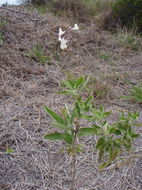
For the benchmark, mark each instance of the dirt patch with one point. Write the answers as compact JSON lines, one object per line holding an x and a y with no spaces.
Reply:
{"x":26,"y":86}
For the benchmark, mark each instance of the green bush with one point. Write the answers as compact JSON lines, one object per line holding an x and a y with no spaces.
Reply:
{"x":128,"y":12}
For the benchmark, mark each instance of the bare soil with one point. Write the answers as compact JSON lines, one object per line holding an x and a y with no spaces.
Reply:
{"x":26,"y":86}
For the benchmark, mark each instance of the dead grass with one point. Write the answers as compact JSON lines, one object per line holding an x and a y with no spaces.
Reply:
{"x":26,"y":86}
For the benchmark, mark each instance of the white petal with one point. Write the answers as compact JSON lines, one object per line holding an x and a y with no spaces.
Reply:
{"x":63,"y":44}
{"x":59,"y":38}
{"x":61,"y":32}
{"x":76,"y":27}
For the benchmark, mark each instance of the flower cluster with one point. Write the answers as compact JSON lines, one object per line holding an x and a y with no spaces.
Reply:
{"x":62,"y":40}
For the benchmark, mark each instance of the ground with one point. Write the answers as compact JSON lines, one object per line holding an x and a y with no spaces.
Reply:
{"x":26,"y":85}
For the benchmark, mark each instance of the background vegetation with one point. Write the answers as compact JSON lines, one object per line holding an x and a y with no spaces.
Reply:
{"x":123,"y":12}
{"x":128,"y":12}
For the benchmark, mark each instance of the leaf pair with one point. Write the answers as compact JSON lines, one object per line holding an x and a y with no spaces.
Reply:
{"x":64,"y":123}
{"x":74,"y":86}
{"x":100,"y":114}
{"x":59,"y":123}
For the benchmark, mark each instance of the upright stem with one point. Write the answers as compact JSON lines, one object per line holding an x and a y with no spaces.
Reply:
{"x":74,"y":161}
{"x":73,"y":172}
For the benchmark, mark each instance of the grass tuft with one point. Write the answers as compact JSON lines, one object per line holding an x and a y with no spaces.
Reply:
{"x":128,"y":39}
{"x":37,"y":54}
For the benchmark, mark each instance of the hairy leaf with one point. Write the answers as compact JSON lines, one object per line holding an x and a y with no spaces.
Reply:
{"x":59,"y":136}
{"x":69,"y":92}
{"x":54,"y":136}
{"x":54,"y":115}
{"x":60,"y":126}
{"x":100,"y":142}
{"x":86,"y":132}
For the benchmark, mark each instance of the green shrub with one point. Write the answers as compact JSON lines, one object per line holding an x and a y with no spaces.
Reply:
{"x":112,"y":138}
{"x":128,"y":12}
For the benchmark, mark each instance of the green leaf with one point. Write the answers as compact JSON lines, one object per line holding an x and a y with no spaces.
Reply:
{"x":86,"y":132}
{"x":106,"y":114}
{"x":113,"y":153}
{"x":117,"y":132}
{"x":120,"y":141}
{"x":72,"y":82}
{"x":68,"y":83}
{"x":60,"y":126}
{"x":115,"y":144}
{"x":67,"y":138}
{"x":54,"y":136}
{"x":87,"y":117}
{"x":79,"y":148}
{"x":69,"y":92}
{"x":89,"y":100}
{"x":66,"y":116}
{"x":100,"y":143}
{"x":98,"y":129}
{"x":104,"y":165}
{"x":84,"y":83}
{"x":9,"y":150}
{"x":101,"y":154}
{"x":79,"y":82}
{"x":96,"y":126}
{"x":78,"y":110}
{"x":55,"y":116}
{"x":135,"y":135}
{"x":59,"y":136}
{"x":86,"y":108}
{"x":73,"y":115}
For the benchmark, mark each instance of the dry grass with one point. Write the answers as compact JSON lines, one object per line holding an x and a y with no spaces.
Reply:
{"x":26,"y":86}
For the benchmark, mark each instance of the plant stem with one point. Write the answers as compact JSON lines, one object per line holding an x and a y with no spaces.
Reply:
{"x":74,"y":160}
{"x":73,"y":172}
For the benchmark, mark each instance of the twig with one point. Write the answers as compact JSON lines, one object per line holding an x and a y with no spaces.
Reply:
{"x":20,"y":12}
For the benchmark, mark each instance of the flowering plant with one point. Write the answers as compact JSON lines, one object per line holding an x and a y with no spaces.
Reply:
{"x":61,"y":38}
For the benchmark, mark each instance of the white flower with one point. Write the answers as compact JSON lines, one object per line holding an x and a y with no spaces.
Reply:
{"x":76,"y":27}
{"x":63,"y":44}
{"x":61,"y":32}
{"x":59,"y":38}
